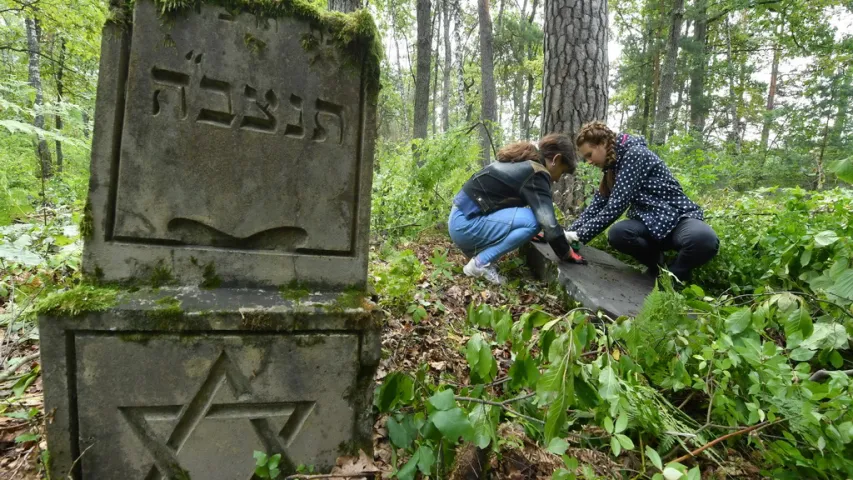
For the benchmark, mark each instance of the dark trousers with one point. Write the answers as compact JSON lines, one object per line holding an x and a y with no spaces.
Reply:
{"x":694,"y":240}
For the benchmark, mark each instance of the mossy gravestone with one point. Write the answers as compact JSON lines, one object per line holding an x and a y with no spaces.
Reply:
{"x":231,"y":169}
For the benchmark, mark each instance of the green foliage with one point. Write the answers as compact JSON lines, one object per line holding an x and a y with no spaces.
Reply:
{"x":77,"y":300}
{"x":266,"y":466}
{"x":396,"y":279}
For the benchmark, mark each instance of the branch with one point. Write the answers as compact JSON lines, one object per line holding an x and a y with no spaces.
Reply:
{"x":9,"y":371}
{"x":822,"y":374}
{"x":710,"y":444}
{"x":504,"y":406}
{"x":726,"y":11}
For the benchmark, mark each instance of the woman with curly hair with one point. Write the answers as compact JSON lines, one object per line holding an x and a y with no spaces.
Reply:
{"x":660,"y":216}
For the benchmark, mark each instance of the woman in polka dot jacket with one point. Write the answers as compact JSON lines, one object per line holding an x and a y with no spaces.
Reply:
{"x":660,"y":217}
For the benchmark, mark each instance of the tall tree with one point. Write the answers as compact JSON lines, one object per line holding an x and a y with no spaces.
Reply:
{"x":699,"y":62}
{"x":575,"y":86}
{"x":662,"y":116}
{"x":531,"y":55}
{"x":448,"y":64}
{"x":488,"y":113}
{"x":60,"y":91}
{"x":771,"y":98}
{"x":423,"y":69}
{"x":345,"y":6}
{"x":34,"y":51}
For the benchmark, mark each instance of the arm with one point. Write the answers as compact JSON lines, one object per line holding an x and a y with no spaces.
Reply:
{"x":639,"y":161}
{"x":536,"y":191}
{"x":598,"y":202}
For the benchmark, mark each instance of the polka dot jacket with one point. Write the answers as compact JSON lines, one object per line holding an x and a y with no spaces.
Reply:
{"x":644,"y":183}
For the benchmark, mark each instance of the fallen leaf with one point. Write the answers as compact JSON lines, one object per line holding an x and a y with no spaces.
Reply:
{"x":438,"y":365}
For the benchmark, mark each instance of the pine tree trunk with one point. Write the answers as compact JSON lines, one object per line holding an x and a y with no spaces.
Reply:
{"x":345,"y":6}
{"x":34,"y":50}
{"x":448,"y":64}
{"x":575,"y":84}
{"x":60,"y":90}
{"x":648,"y":53}
{"x":434,"y":55}
{"x":662,"y":116}
{"x":404,"y":96}
{"x":733,"y":111}
{"x":771,"y":99}
{"x":488,"y":112}
{"x":698,"y":107}
{"x":423,"y":69}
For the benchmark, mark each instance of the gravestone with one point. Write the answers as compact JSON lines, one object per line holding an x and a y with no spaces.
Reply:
{"x":604,"y":283}
{"x":227,"y":224}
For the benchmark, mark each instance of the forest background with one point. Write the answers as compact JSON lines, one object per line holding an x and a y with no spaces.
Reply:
{"x":747,"y":101}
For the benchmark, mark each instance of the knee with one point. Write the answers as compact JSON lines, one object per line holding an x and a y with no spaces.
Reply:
{"x":621,"y":235}
{"x":705,"y":242}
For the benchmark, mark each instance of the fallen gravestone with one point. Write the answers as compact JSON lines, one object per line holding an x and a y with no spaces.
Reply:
{"x":231,"y":168}
{"x":604,"y":283}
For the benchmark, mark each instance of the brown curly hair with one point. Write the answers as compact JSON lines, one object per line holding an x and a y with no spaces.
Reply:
{"x":549,"y":146}
{"x":595,"y":134}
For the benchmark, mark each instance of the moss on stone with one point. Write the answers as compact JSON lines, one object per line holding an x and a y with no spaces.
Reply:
{"x":294,"y":291}
{"x":161,"y":275}
{"x":78,"y":300}
{"x":355,"y":34}
{"x":168,"y":310}
{"x":87,"y":223}
{"x":256,"y":320}
{"x":211,"y":279}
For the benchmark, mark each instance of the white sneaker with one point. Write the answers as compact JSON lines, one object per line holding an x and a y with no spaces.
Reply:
{"x":488,"y":271}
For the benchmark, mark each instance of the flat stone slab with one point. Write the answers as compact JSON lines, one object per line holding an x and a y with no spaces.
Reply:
{"x":188,"y":383}
{"x":234,"y":142}
{"x":604,"y":284}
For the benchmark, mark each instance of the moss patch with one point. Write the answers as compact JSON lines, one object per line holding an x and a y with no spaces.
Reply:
{"x":161,"y":275}
{"x":211,"y":279}
{"x":168,"y":309}
{"x":355,"y":34}
{"x":294,"y":291}
{"x":87,"y":224}
{"x":78,"y":300}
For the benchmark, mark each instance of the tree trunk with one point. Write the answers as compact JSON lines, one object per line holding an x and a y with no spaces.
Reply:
{"x":531,"y":54}
{"x":404,"y":97}
{"x":575,"y":82}
{"x":734,"y":134}
{"x":448,"y":64}
{"x":821,"y":172}
{"x":698,"y":108}
{"x":436,"y":35}
{"x":664,"y":106}
{"x":648,"y":47}
{"x":771,"y":99}
{"x":345,"y":6}
{"x":60,"y":88}
{"x":488,"y":112}
{"x":42,"y":149}
{"x":844,"y":95}
{"x":423,"y":70}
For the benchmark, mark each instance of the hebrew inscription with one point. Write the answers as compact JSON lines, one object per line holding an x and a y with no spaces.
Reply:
{"x":259,"y":115}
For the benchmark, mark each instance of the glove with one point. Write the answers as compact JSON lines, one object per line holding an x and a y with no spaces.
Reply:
{"x":572,"y":237}
{"x":574,"y":257}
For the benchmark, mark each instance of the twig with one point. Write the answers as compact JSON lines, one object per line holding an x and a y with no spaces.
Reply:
{"x":9,"y":371}
{"x":710,"y":444}
{"x":682,"y":404}
{"x":333,"y":475}
{"x":821,"y":374}
{"x":502,"y":405}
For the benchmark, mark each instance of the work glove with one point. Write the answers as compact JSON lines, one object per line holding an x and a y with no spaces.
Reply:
{"x":572,"y":237}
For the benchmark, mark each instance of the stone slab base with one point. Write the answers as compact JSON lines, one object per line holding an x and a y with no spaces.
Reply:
{"x":188,"y":383}
{"x":604,"y":284}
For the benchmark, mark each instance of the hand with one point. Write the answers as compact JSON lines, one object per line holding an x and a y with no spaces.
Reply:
{"x":572,"y":237}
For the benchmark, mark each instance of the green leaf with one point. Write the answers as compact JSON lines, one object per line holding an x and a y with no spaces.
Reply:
{"x":410,"y":468}
{"x":27,"y":437}
{"x":625,"y":441}
{"x":558,"y":446}
{"x":843,"y":169}
{"x":555,"y":419}
{"x":694,"y":474}
{"x":835,"y":359}
{"x":397,"y":387}
{"x":401,"y":437}
{"x":608,"y":385}
{"x":799,"y":321}
{"x":826,"y":335}
{"x":274,"y":461}
{"x":502,"y":328}
{"x":654,"y":457}
{"x":825,"y":238}
{"x":739,"y":321}
{"x":806,"y":258}
{"x":443,"y":400}
{"x":484,"y":424}
{"x":843,"y":286}
{"x":621,"y":423}
{"x":426,"y":459}
{"x":12,"y":254}
{"x":615,"y":446}
{"x":670,"y":473}
{"x":608,"y":425}
{"x":801,"y":354}
{"x":453,"y":424}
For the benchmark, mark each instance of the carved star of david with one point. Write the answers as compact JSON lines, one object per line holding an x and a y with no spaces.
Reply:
{"x":201,"y":407}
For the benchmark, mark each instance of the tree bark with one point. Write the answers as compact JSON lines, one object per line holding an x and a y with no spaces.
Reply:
{"x":33,"y":47}
{"x":734,"y":134}
{"x":448,"y":64}
{"x":436,"y":24}
{"x":488,"y":112}
{"x":648,"y":94}
{"x":698,"y":107}
{"x":575,"y":82}
{"x":662,"y":116}
{"x":843,"y":103}
{"x":423,"y":69}
{"x":771,"y":99}
{"x":60,"y":90}
{"x":345,"y":6}
{"x":404,"y":97}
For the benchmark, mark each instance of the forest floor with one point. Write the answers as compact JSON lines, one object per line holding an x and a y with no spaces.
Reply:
{"x":438,"y":341}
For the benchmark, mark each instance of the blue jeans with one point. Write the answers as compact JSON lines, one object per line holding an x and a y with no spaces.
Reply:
{"x":492,"y":236}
